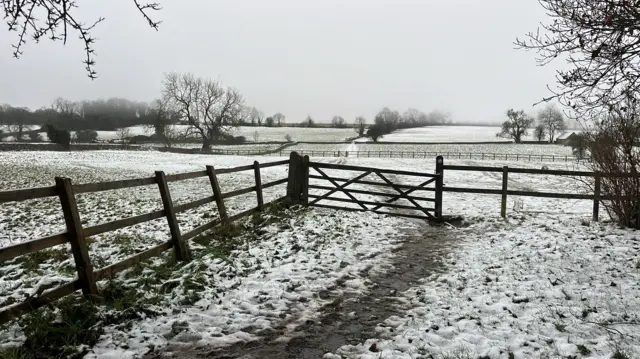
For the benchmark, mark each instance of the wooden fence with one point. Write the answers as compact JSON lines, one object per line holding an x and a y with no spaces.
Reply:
{"x":596,"y":196}
{"x":447,"y":155}
{"x":76,"y":235}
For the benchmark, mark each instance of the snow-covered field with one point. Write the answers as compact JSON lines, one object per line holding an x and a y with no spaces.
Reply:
{"x":543,"y":284}
{"x":382,"y":150}
{"x":449,"y":134}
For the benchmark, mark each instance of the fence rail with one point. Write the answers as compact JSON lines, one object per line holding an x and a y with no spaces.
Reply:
{"x":76,"y":235}
{"x":480,"y":156}
{"x":596,"y":196}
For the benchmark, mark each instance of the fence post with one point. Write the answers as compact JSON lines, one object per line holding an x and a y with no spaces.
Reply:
{"x":296,"y":178}
{"x":76,"y":237}
{"x":217,"y":194}
{"x":256,"y":172}
{"x":505,"y":181}
{"x":439,"y":185}
{"x":179,"y":246}
{"x":305,"y":182}
{"x":596,"y":196}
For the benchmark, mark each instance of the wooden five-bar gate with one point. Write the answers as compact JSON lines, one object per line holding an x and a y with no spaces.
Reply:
{"x":428,"y":207}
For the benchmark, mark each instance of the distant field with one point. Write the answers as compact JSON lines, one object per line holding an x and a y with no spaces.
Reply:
{"x":449,"y":134}
{"x":375,"y":149}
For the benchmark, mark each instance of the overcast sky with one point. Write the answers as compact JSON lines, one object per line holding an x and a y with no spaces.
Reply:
{"x":299,"y":57}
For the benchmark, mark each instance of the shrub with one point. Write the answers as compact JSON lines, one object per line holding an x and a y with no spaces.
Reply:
{"x":86,"y":136}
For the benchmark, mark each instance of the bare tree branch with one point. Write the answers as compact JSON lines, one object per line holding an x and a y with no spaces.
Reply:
{"x":57,"y":21}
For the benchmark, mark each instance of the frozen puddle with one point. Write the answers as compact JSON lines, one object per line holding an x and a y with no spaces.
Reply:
{"x":535,"y":287}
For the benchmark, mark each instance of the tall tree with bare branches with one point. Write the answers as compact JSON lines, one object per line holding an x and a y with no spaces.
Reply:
{"x":210,"y":109}
{"x":599,"y":39}
{"x":553,"y":121}
{"x":56,"y":20}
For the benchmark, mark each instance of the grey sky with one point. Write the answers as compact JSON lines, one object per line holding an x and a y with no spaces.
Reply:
{"x":299,"y":57}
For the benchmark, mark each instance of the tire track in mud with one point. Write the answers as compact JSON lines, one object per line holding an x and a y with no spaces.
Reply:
{"x":348,"y":317}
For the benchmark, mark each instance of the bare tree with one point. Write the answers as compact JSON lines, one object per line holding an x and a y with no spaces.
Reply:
{"x":612,"y":143}
{"x":279,"y":118}
{"x":256,"y":136}
{"x":360,"y":125}
{"x":256,"y":117}
{"x":540,"y":132}
{"x":516,"y":126}
{"x":338,"y":122}
{"x":210,"y":110}
{"x":599,"y":40}
{"x":553,"y":120}
{"x":123,"y":134}
{"x":56,"y":20}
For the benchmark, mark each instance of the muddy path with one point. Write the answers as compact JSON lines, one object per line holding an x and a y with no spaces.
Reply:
{"x":348,"y":318}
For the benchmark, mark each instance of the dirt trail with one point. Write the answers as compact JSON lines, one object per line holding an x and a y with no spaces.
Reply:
{"x":349,"y":318}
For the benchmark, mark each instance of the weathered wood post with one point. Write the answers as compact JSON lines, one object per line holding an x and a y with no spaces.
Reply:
{"x":305,"y":180}
{"x":217,"y":194}
{"x":295,"y":183}
{"x":596,"y":196}
{"x":180,"y":247}
{"x":76,"y":237}
{"x":439,"y":186}
{"x":258,"y":177}
{"x":505,"y":183}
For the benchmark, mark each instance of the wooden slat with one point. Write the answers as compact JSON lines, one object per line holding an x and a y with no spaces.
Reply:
{"x":276,"y":163}
{"x":372,"y":203}
{"x":109,"y":271}
{"x":340,"y":187}
{"x":108,"y":186}
{"x":549,"y":194}
{"x":185,"y":176}
{"x":27,"y":194}
{"x":122,"y":223}
{"x":195,"y":204}
{"x":520,"y":170}
{"x":238,"y":192}
{"x":233,"y":169}
{"x":275,"y":183}
{"x":19,"y":249}
{"x":373,"y":183}
{"x":471,"y":190}
{"x":518,"y":193}
{"x":180,"y":247}
{"x":201,"y":229}
{"x":407,"y":192}
{"x":377,"y":212}
{"x":371,"y":193}
{"x":403,"y":194}
{"x":258,"y":180}
{"x":76,"y":237}
{"x":47,"y":297}
{"x":217,"y":193}
{"x":243,"y":214}
{"x":372,"y":169}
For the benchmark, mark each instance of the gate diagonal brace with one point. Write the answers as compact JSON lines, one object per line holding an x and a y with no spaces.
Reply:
{"x":340,"y":188}
{"x":405,"y":196}
{"x":393,"y":199}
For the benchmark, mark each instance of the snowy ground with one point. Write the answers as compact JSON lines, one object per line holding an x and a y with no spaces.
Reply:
{"x":531,"y":287}
{"x":543,"y":284}
{"x":449,"y":134}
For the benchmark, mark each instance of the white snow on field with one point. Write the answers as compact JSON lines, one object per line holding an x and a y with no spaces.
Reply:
{"x":531,"y":287}
{"x":542,"y":284}
{"x":278,"y":279}
{"x":449,"y":134}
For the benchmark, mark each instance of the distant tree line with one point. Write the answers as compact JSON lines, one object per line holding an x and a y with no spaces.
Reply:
{"x":387,"y":121}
